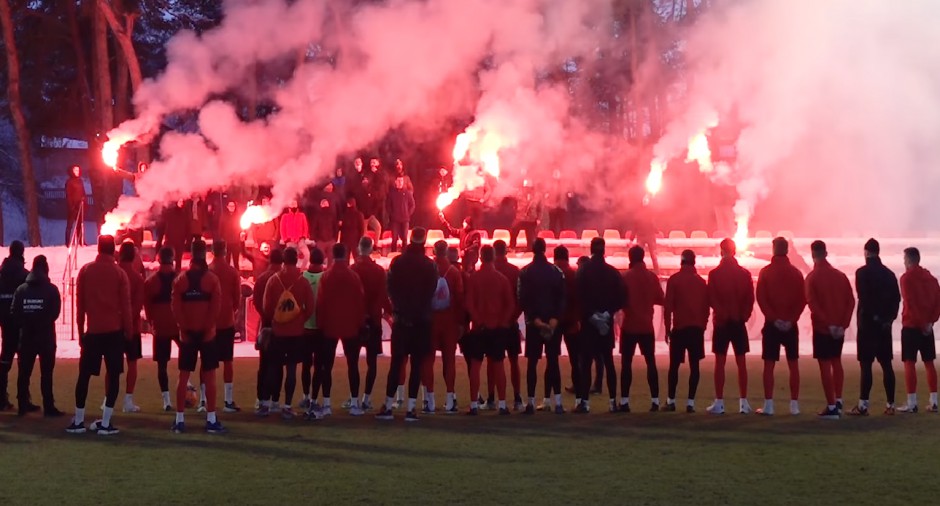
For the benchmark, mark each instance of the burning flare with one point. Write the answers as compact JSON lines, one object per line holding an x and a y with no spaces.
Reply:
{"x":700,"y":152}
{"x":447,"y":198}
{"x":114,"y":222}
{"x":112,"y":148}
{"x":742,"y":214}
{"x":654,"y":181}
{"x":255,"y":215}
{"x":481,"y":150}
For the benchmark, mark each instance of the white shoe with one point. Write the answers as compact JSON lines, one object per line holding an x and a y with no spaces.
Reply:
{"x":325,"y":411}
{"x":715,"y":409}
{"x":745,"y":407}
{"x":131,"y":408}
{"x":201,"y":408}
{"x":767,"y":410}
{"x":275,"y":406}
{"x":348,"y":404}
{"x":794,"y":408}
{"x":356,"y":411}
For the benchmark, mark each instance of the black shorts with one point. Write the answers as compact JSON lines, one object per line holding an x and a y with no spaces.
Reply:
{"x":914,"y":341}
{"x":370,"y":337}
{"x":9,"y":344}
{"x":473,"y":345}
{"x":225,"y":342}
{"x":97,"y":347}
{"x":513,"y":340}
{"x":411,"y":339}
{"x":594,"y":343}
{"x":774,"y":338}
{"x":875,"y":342}
{"x":287,"y":350}
{"x":825,"y":347}
{"x":733,"y":334}
{"x":195,"y":348}
{"x":630,"y":342}
{"x":536,"y":345}
{"x":133,"y":349}
{"x":687,"y":340}
{"x":163,"y":347}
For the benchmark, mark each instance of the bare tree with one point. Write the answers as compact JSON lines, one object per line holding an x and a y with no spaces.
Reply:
{"x":19,"y":122}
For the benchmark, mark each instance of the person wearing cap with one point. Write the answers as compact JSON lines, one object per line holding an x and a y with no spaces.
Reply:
{"x":105,"y":323}
{"x":781,"y":297}
{"x":230,"y":284}
{"x":513,"y":335}
{"x":731,"y":296}
{"x":542,"y":300}
{"x":685,"y":315}
{"x":158,"y":290}
{"x":412,"y":282}
{"x":489,"y":303}
{"x":197,"y":302}
{"x":341,"y":312}
{"x":644,"y":293}
{"x":13,"y":274}
{"x":879,"y":300}
{"x":445,"y":332}
{"x":36,"y":306}
{"x":602,"y":294}
{"x":921,"y":295}
{"x":375,"y":284}
{"x":831,"y":303}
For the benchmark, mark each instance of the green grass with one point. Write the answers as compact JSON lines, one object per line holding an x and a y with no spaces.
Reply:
{"x":640,"y":458}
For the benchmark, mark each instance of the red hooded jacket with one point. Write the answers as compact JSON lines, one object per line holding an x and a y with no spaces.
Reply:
{"x":230,"y":283}
{"x":341,"y":302}
{"x":292,"y":279}
{"x":489,"y":298}
{"x":454,"y":314}
{"x":157,"y":302}
{"x":103,"y":298}
{"x":830,"y":298}
{"x":512,"y":275}
{"x":136,"y":285}
{"x":375,"y":284}
{"x":781,"y":294}
{"x":730,"y":292}
{"x":686,"y":300}
{"x":921,"y":295}
{"x":643,"y":292}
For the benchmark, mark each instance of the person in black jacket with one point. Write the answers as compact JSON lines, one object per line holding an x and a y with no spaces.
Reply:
{"x":12,"y":274}
{"x":36,"y":306}
{"x":401,"y":207}
{"x":176,"y":230}
{"x":412,"y":282}
{"x":602,"y":294}
{"x":879,"y":299}
{"x":75,"y":206}
{"x":542,"y":299}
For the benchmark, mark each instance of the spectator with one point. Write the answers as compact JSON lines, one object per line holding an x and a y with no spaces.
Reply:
{"x":351,"y":225}
{"x":324,"y":230}
{"x":294,"y":228}
{"x":401,"y":206}
{"x":268,"y":231}
{"x":75,"y":206}
{"x":230,"y":231}
{"x":176,"y":231}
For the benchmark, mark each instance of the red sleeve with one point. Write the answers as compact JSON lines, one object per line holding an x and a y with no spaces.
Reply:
{"x":762,"y":297}
{"x":658,"y":297}
{"x":798,"y":297}
{"x":935,"y":290}
{"x":812,"y":298}
{"x":360,"y":309}
{"x":848,"y":303}
{"x":236,"y":289}
{"x":669,"y":302}
{"x":455,"y":279}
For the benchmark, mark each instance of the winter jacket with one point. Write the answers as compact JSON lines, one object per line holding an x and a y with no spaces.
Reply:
{"x":36,"y":307}
{"x":374,"y":283}
{"x":198,"y":217}
{"x":158,"y":298}
{"x":324,"y":227}
{"x":401,"y":206}
{"x":528,"y":207}
{"x":259,"y":263}
{"x":412,"y":281}
{"x":103,"y":298}
{"x":781,"y":294}
{"x":175,"y":229}
{"x":455,"y":313}
{"x":230,"y":284}
{"x":341,"y":303}
{"x":489,"y":298}
{"x":136,"y":284}
{"x":879,"y":298}
{"x":74,"y":192}
{"x":921,"y":295}
{"x":541,"y":291}
{"x":512,"y":274}
{"x":600,"y":288}
{"x":353,"y":226}
{"x":830,"y":298}
{"x":313,"y":275}
{"x":13,"y":273}
{"x":571,"y":319}
{"x":686,"y":301}
{"x":289,"y":278}
{"x":730,"y":292}
{"x":261,"y":283}
{"x":294,"y":227}
{"x":197,"y":300}
{"x":230,"y":228}
{"x":643,"y":292}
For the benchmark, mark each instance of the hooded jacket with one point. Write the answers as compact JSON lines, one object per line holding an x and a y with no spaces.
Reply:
{"x":292,"y":279}
{"x":197,"y":300}
{"x":136,"y":285}
{"x":103,"y":298}
{"x":158,"y":298}
{"x":921,"y":295}
{"x":36,"y":307}
{"x":645,"y":293}
{"x":600,"y":288}
{"x":374,"y":283}
{"x":879,"y":298}
{"x":324,"y":225}
{"x":512,"y":274}
{"x":341,"y":303}
{"x":294,"y":226}
{"x":730,"y":292}
{"x":687,"y":299}
{"x":74,"y":191}
{"x":830,"y":298}
{"x":353,"y":225}
{"x":230,"y":227}
{"x":230,"y":283}
{"x":541,"y":291}
{"x":401,"y":205}
{"x":489,"y":298}
{"x":176,"y":229}
{"x":13,"y":273}
{"x":412,"y":281}
{"x":781,"y":294}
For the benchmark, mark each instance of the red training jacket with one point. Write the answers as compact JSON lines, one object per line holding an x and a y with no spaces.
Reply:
{"x":830,"y":297}
{"x":686,"y":300}
{"x":512,"y":274}
{"x":341,"y":302}
{"x":643,"y":292}
{"x":103,"y":298}
{"x":730,"y":292}
{"x":921,"y":295}
{"x":490,"y":301}
{"x":230,"y":283}
{"x":160,"y":314}
{"x":375,"y":284}
{"x":781,"y":292}
{"x":136,"y":285}
{"x":289,"y":278}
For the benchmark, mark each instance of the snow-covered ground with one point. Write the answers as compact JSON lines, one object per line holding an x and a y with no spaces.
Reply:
{"x":69,"y":349}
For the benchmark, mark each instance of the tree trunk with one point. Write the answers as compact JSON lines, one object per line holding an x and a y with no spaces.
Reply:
{"x":19,"y":121}
{"x":123,"y":35}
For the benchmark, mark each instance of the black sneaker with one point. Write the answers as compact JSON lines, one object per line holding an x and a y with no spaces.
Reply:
{"x":178,"y":428}
{"x":670,"y":408}
{"x":168,"y":409}
{"x":76,"y":428}
{"x":625,"y":407}
{"x":215,"y":427}
{"x":828,"y":414}
{"x":52,"y":413}
{"x":839,"y":407}
{"x":109,"y":430}
{"x":32,"y":408}
{"x":473,"y":412}
{"x":231,"y":407}
{"x":582,"y":409}
{"x":384,"y":414}
{"x":503,"y":412}
{"x":411,"y":416}
{"x":655,"y":407}
{"x":529,"y":410}
{"x":5,"y":404}
{"x":690,"y":409}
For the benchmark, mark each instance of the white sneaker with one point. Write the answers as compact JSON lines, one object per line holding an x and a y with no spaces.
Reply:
{"x":794,"y":408}
{"x":715,"y":409}
{"x":275,"y":406}
{"x":356,"y":411}
{"x":745,"y":407}
{"x":201,"y":408}
{"x":348,"y":404}
{"x":131,"y":408}
{"x":325,"y":411}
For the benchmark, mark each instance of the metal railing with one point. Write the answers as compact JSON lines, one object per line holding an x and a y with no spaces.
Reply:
{"x":71,"y":267}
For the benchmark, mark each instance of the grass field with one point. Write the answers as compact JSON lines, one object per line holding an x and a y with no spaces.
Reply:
{"x":640,"y":458}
